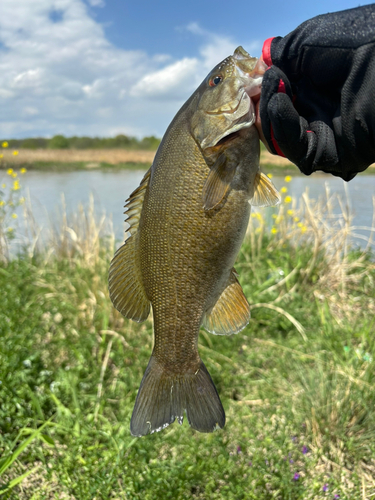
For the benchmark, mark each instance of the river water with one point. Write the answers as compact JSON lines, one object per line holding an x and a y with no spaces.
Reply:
{"x":111,"y":188}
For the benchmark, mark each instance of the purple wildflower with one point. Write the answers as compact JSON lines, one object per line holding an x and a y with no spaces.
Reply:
{"x":294,"y":439}
{"x":291,"y":461}
{"x":239,"y":450}
{"x":325,"y":487}
{"x":305,"y":449}
{"x":296,"y":476}
{"x":250,"y":464}
{"x":337,"y":496}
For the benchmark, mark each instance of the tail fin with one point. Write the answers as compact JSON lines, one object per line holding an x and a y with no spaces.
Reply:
{"x":163,"y":397}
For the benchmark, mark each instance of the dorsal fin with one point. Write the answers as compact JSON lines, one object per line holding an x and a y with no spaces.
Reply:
{"x":218,"y":182}
{"x":264,"y":192}
{"x":125,"y":283}
{"x":231,"y":313}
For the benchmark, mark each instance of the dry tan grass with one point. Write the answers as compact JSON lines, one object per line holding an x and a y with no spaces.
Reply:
{"x":93,"y":157}
{"x":111,"y":156}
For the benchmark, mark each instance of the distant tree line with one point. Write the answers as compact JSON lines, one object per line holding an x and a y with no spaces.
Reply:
{"x":62,"y":142}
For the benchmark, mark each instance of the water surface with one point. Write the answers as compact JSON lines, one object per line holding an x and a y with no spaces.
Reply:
{"x":110,"y":189}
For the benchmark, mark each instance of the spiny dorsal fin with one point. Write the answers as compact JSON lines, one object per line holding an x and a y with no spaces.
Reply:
{"x":125,"y":284}
{"x":265,"y":194}
{"x":218,"y":182}
{"x":231,"y":313}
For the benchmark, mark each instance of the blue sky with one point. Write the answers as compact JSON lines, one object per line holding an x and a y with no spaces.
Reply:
{"x":104,"y":67}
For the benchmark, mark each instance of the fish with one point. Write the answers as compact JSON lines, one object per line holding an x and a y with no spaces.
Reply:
{"x":187,"y":220}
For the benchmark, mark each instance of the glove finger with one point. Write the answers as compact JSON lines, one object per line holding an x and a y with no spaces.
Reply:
{"x":291,"y":133}
{"x":274,"y":82}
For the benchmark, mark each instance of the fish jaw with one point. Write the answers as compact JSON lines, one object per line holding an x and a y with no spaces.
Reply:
{"x":228,"y":107}
{"x":245,"y":120}
{"x":252,"y":68}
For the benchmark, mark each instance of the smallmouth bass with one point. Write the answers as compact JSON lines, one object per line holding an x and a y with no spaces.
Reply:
{"x":187,"y":220}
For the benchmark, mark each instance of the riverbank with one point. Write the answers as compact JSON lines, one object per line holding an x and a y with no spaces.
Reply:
{"x":62,"y":160}
{"x":297,"y":384}
{"x":88,"y":159}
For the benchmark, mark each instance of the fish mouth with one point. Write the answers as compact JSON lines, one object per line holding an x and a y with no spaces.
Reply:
{"x":228,"y":138}
{"x":229,"y":108}
{"x":246,"y":120}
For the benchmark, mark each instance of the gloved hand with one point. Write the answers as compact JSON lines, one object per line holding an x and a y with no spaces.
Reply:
{"x":317,"y":105}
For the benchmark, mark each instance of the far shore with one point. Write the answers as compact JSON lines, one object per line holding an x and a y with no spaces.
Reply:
{"x":87,"y":159}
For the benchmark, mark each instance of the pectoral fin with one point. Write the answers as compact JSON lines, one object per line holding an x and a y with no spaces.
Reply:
{"x":231,"y":313}
{"x":125,"y":284}
{"x":218,"y":182}
{"x":264,"y":192}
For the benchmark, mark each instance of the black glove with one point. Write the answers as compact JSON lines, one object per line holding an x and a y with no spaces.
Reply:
{"x":317,"y":104}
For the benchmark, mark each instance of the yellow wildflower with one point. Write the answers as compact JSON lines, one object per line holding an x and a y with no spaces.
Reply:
{"x":3,"y":186}
{"x":290,"y":212}
{"x":274,"y":230}
{"x":284,"y":189}
{"x":288,"y":178}
{"x":274,"y":216}
{"x":10,"y":171}
{"x":300,"y":224}
{"x":5,"y":144}
{"x":15,"y":153}
{"x":22,"y":200}
{"x":257,"y":215}
{"x":296,"y":219}
{"x":2,"y":203}
{"x":1,"y":155}
{"x":288,"y":199}
{"x":14,"y":216}
{"x":16,"y":185}
{"x":10,"y":229}
{"x":269,"y":176}
{"x":23,"y":170}
{"x":14,"y":175}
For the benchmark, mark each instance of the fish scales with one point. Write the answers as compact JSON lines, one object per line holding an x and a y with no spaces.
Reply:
{"x":184,"y":242}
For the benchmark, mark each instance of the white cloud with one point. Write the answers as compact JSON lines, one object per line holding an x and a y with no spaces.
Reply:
{"x":59,"y":74}
{"x":96,"y":3}
{"x":172,"y":82}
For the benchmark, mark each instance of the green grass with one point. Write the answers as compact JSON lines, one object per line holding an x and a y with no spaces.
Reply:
{"x":297,"y":385}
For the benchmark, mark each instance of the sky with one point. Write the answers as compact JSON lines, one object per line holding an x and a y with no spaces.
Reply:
{"x":108,"y":67}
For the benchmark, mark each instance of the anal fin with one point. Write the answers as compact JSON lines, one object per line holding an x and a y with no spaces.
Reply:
{"x":231,"y":313}
{"x":125,"y":284}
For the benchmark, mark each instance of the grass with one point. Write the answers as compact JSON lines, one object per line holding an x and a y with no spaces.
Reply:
{"x":297,"y":384}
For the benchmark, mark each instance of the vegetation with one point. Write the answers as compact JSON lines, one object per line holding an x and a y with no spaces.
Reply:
{"x":297,"y":384}
{"x":62,"y":142}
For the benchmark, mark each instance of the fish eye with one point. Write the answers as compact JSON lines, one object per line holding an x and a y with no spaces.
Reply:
{"x":215,"y":80}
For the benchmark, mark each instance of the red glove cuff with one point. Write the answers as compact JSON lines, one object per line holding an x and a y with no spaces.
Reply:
{"x":266,"y":51}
